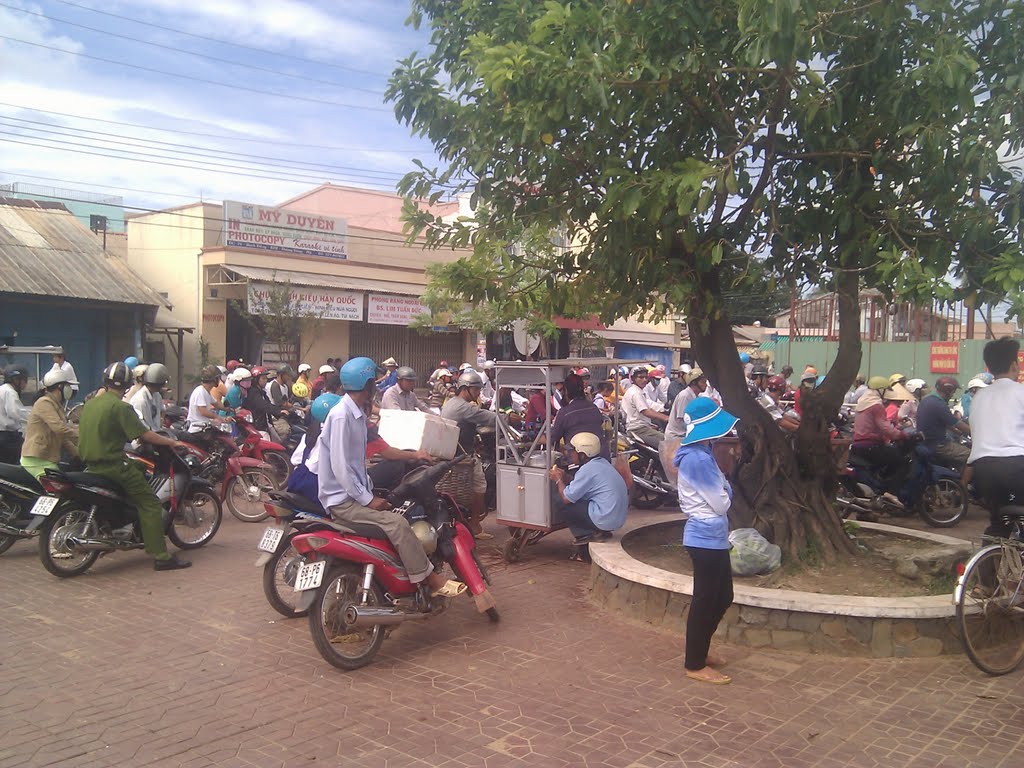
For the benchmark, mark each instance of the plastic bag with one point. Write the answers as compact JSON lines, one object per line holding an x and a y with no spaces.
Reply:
{"x":752,"y":553}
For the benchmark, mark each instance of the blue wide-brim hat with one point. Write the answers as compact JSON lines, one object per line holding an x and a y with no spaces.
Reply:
{"x":706,"y":420}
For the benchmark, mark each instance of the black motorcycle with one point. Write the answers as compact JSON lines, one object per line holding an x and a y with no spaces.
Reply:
{"x":18,"y":494}
{"x":88,"y":515}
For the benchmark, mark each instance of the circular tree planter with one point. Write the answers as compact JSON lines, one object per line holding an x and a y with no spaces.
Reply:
{"x":843,"y":625}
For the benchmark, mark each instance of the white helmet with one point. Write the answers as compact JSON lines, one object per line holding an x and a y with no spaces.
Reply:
{"x":57,"y":376}
{"x":139,"y":370}
{"x":586,"y":443}
{"x":916,"y":384}
{"x":241,"y":374}
{"x":326,"y":369}
{"x":976,"y":383}
{"x":465,"y":367}
{"x":303,"y":367}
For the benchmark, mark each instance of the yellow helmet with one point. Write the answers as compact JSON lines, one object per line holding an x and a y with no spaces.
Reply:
{"x":300,"y":389}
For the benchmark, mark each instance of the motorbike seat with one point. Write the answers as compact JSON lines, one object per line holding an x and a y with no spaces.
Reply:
{"x":366,"y":530}
{"x":88,"y":478}
{"x":297,"y":502}
{"x":1012,"y":510}
{"x":858,"y":460}
{"x":16,"y":473}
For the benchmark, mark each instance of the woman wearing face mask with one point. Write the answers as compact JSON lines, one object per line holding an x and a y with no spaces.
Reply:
{"x":47,"y":431}
{"x":242,"y":380}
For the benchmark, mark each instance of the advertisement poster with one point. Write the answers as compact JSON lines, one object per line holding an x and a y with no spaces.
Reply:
{"x":944,"y":357}
{"x":328,"y":303}
{"x":390,"y":309}
{"x":247,"y":225}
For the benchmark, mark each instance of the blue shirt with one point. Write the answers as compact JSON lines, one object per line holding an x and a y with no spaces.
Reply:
{"x":233,"y":399}
{"x":388,"y":381}
{"x":933,"y":420}
{"x":341,"y":466}
{"x":704,"y":495}
{"x":602,"y":486}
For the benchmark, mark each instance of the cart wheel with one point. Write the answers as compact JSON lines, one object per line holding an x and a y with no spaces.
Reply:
{"x":533,"y":537}
{"x":512,"y":548}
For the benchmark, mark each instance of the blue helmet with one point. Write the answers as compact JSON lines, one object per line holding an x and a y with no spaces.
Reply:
{"x":322,"y":406}
{"x":131,"y":362}
{"x":744,"y":358}
{"x":356,"y":372}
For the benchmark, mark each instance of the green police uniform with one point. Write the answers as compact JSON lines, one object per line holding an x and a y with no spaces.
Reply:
{"x":107,"y":423}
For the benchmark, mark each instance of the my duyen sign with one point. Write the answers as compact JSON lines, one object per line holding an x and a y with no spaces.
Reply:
{"x":328,"y":303}
{"x":247,"y":225}
{"x":394,"y":310}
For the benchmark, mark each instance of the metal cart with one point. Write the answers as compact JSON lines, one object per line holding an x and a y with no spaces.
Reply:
{"x":523,"y":487}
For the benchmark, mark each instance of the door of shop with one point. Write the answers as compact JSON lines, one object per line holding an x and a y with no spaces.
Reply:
{"x":422,"y":351}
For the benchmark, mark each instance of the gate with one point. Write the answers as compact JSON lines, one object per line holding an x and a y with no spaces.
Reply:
{"x":408,"y":346}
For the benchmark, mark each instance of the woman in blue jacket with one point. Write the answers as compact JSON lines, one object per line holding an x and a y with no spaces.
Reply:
{"x":705,"y":497}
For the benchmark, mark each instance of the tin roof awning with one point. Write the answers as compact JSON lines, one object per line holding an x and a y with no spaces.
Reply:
{"x":165,"y":321}
{"x":231,"y":274}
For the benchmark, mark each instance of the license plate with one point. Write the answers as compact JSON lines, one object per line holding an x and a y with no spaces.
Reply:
{"x":45,"y":505}
{"x":271,"y":538}
{"x":310,"y":575}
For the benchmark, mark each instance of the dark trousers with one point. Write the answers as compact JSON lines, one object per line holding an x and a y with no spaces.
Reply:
{"x":577,"y":516}
{"x":1000,"y":479}
{"x":387,"y":474}
{"x":10,"y":447}
{"x":889,"y":460}
{"x":712,"y":595}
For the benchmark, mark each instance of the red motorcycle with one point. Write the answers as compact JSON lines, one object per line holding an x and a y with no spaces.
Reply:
{"x":356,"y":587}
{"x":243,"y":482}
{"x":255,"y":446}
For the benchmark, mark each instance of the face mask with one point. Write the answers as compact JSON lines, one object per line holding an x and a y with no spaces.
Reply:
{"x":245,"y":384}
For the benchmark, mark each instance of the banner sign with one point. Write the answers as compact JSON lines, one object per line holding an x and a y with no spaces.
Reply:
{"x":328,"y":303}
{"x":247,"y":225}
{"x":388,"y":309}
{"x":944,"y":357}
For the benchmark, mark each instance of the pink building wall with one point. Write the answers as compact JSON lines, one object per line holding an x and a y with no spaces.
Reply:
{"x":359,"y":207}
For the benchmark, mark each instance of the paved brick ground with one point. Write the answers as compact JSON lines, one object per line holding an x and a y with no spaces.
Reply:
{"x":128,"y":667}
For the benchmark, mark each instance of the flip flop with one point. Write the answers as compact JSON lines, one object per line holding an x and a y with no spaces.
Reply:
{"x":580,"y":555}
{"x":483,"y":536}
{"x":721,"y":680}
{"x":450,"y":589}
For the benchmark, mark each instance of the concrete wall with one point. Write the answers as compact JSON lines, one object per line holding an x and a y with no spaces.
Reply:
{"x":880,"y":358}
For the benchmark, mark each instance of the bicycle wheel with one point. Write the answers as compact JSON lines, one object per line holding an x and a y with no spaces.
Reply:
{"x":990,"y":610}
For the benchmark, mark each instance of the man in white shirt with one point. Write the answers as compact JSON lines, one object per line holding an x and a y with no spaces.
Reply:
{"x":696,"y":384}
{"x":202,"y":403}
{"x":13,"y":415}
{"x":638,"y":411}
{"x":402,"y":396}
{"x":997,"y":430}
{"x":656,"y":390}
{"x":147,"y":401}
{"x":60,"y":363}
{"x":346,"y":491}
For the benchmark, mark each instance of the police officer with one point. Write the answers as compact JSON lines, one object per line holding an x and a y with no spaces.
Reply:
{"x":108,"y":423}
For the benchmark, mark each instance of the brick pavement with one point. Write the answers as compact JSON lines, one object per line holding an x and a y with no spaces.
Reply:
{"x":128,"y":667}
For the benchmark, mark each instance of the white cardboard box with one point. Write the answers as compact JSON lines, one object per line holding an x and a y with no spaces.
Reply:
{"x":419,"y":431}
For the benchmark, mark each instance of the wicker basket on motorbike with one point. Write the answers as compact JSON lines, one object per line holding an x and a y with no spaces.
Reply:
{"x":458,"y":482}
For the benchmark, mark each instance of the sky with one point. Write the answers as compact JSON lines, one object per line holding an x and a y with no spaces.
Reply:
{"x":330,"y":61}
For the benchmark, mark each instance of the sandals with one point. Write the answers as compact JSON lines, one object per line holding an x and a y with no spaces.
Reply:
{"x":580,"y":555}
{"x":483,"y":536}
{"x":709,"y":676}
{"x":450,"y":589}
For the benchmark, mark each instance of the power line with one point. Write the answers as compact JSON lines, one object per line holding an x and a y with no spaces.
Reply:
{"x":201,"y":151}
{"x":232,"y":86}
{"x":281,"y":177}
{"x":207,"y":135}
{"x":219,"y":41}
{"x":191,"y":53}
{"x":102,"y":186}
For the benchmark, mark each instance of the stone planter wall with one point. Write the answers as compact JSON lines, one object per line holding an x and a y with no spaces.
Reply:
{"x":907,"y":627}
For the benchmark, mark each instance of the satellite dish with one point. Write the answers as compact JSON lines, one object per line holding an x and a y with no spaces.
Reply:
{"x":526,"y":344}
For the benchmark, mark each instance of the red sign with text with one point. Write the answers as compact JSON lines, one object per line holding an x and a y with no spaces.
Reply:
{"x":944,"y":357}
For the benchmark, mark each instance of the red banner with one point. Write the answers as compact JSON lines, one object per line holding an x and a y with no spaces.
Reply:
{"x":944,"y":357}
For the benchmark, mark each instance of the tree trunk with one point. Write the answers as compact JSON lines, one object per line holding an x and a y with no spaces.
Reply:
{"x":783,"y":487}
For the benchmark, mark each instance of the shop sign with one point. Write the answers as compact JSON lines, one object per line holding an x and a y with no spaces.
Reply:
{"x":389,"y":309}
{"x":247,"y":225}
{"x":327,"y":303}
{"x":944,"y":357}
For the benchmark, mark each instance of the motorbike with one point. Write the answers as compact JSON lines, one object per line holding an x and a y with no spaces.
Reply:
{"x":86,"y":515}
{"x":18,"y":494}
{"x":255,"y":446}
{"x":651,"y":488}
{"x":354,"y":583}
{"x":935,"y":492}
{"x":242,"y":482}
{"x":293,"y":514}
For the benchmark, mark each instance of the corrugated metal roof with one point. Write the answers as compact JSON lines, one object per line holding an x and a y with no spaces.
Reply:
{"x":328,"y":281}
{"x":45,"y":251}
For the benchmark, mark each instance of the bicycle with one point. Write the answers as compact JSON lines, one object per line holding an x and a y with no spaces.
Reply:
{"x":989,"y":599}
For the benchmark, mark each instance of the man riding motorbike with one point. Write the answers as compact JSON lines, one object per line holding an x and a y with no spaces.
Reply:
{"x":202,"y":404}
{"x":934,"y":420}
{"x":770,"y":400}
{"x":875,"y":438}
{"x":257,"y":402}
{"x":463,"y":410}
{"x":47,"y":432}
{"x":639,"y":411}
{"x":148,"y":402}
{"x":108,"y":423}
{"x":696,"y":385}
{"x":402,"y":395}
{"x":346,"y":491}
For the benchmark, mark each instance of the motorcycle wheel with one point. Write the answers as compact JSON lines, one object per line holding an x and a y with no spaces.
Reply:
{"x":246,"y":494}
{"x":8,"y":514}
{"x":57,"y":557}
{"x":340,"y":645}
{"x":279,"y":580}
{"x":944,"y":504}
{"x":280,"y":466}
{"x":196,"y":521}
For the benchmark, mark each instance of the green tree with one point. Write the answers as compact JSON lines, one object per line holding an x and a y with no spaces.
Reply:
{"x":283,"y":318}
{"x":678,"y":144}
